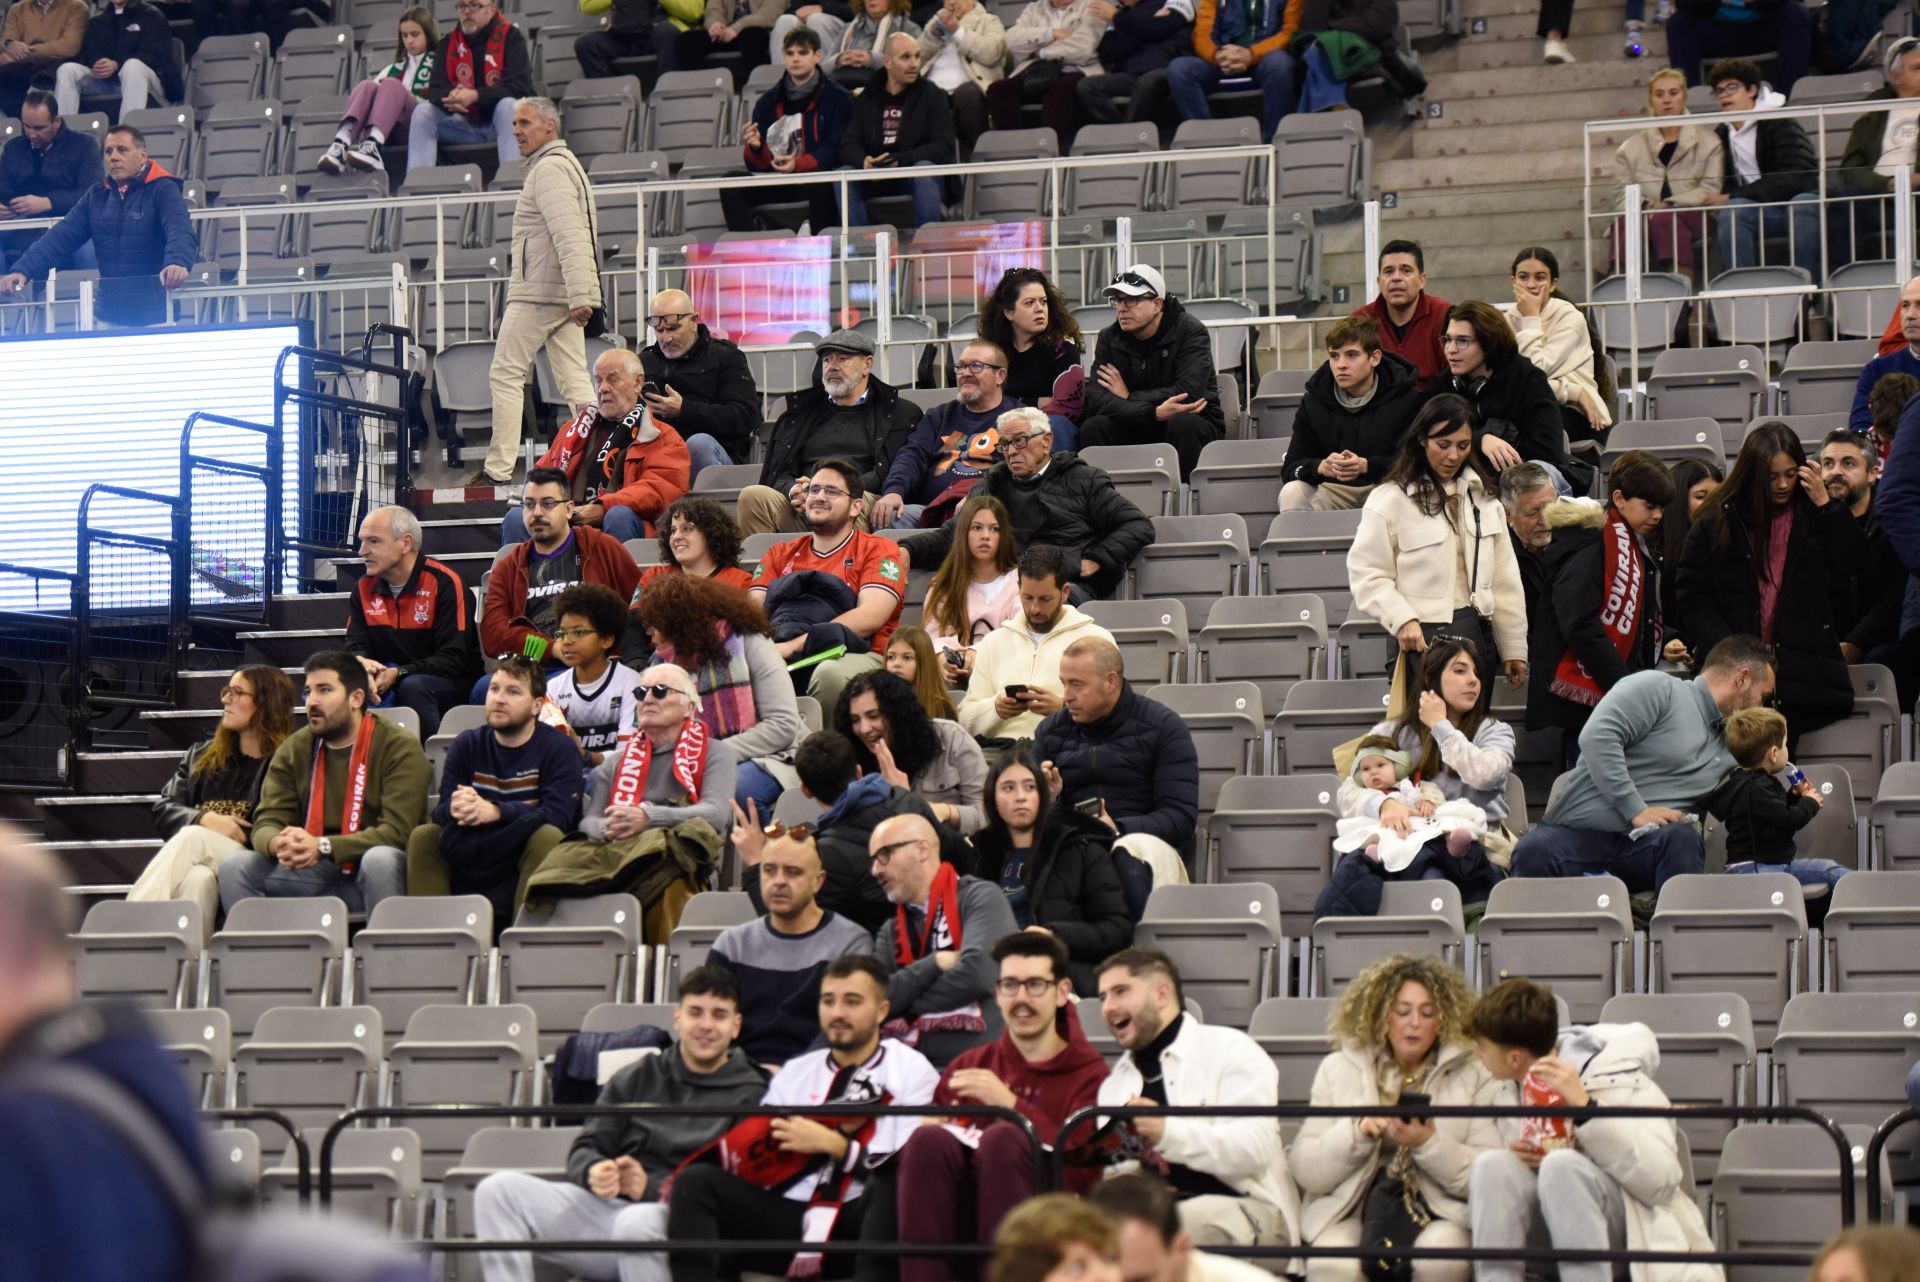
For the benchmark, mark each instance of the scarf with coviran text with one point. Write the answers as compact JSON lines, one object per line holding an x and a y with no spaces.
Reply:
{"x":689,"y":764}
{"x":941,"y":930}
{"x":1622,"y":607}
{"x":493,"y":63}
{"x":354,"y":806}
{"x":727,"y":704}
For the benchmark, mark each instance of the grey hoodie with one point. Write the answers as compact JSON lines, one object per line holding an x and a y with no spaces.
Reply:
{"x":659,"y":1138}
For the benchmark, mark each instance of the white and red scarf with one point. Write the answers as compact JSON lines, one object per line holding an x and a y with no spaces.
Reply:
{"x":354,"y":806}
{"x":689,"y":764}
{"x":940,"y":930}
{"x":1622,"y":610}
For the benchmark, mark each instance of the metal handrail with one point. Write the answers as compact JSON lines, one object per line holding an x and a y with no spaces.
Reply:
{"x":79,"y":697}
{"x":1876,"y":1147}
{"x":268,"y":474}
{"x":302,"y":1155}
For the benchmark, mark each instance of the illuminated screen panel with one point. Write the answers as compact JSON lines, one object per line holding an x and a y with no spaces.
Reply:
{"x":108,"y":407}
{"x":763,"y":291}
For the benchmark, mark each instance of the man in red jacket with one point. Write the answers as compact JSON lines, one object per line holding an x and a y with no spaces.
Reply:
{"x":624,"y":467}
{"x":1411,"y":320}
{"x":959,"y":1179}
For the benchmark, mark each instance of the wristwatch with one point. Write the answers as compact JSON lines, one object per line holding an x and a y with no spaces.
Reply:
{"x":326,"y":848}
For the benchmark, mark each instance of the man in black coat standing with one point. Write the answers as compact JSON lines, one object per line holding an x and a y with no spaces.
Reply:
{"x":1153,"y":375}
{"x":698,"y":383}
{"x":1349,"y":424}
{"x":899,"y":122}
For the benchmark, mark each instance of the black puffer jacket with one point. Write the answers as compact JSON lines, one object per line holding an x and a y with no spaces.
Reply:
{"x":1177,"y":360}
{"x":890,"y":421}
{"x":1072,"y":505}
{"x":716,"y":390}
{"x":1786,"y":158}
{"x":1719,"y":595}
{"x":1139,"y":759}
{"x":1073,"y":886}
{"x":1568,"y":615}
{"x":1517,"y":404}
{"x":1322,"y":426}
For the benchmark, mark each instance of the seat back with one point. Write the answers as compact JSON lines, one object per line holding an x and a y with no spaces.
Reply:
{"x":1148,"y":476}
{"x":1239,"y":476}
{"x":1321,"y":159}
{"x":1863,"y":295}
{"x":688,"y":109}
{"x":312,"y":61}
{"x":702,"y":921}
{"x":1720,"y":934}
{"x":461,"y":1055}
{"x":309,"y":1064}
{"x":1114,"y":190}
{"x":1227,"y":724}
{"x":567,"y":962}
{"x":491,"y":1149}
{"x":1016,"y":194}
{"x":1152,"y":636}
{"x":1872,"y":920}
{"x":1726,"y":384}
{"x":1866,"y":742}
{"x":169,"y":132}
{"x":1293,"y":1032}
{"x":1847,"y":1055}
{"x":1669,"y":440}
{"x":1197,"y":559}
{"x":1776,"y":1188}
{"x":420,"y":951}
{"x":1319,"y":716}
{"x":427,"y":229}
{"x":1277,"y":830}
{"x":1574,"y":934}
{"x":1225,"y":940}
{"x":1272,"y":641}
{"x":227,"y":69}
{"x":602,"y":116}
{"x":1307,"y":552}
{"x":274,"y":952}
{"x":1420,"y":918}
{"x":1706,"y":1057}
{"x":201,"y":1042}
{"x":144,"y":953}
{"x":1201,"y":181}
{"x":375,"y":1178}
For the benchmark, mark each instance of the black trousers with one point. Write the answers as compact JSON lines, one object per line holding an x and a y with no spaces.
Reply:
{"x":969,"y":104}
{"x":1006,"y":98}
{"x":1097,"y":97}
{"x":1555,"y":15}
{"x":597,"y":49}
{"x":1187,"y":433}
{"x":742,"y":204}
{"x":709,"y":1204}
{"x":689,"y":50}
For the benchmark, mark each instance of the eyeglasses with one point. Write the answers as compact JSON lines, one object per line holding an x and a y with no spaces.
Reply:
{"x":1728,"y":89}
{"x":884,"y":856}
{"x":545,"y":505}
{"x":798,"y":832}
{"x":1035,"y":987}
{"x":573,"y":634}
{"x":842,"y":358}
{"x":1015,"y":442}
{"x":975,"y":367}
{"x":825,"y":492}
{"x":473,"y":6}
{"x":670,"y":320}
{"x":660,"y":691}
{"x":1454,"y":340}
{"x":234,"y":692}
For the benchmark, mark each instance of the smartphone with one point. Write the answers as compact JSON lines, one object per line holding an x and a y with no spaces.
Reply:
{"x":1090,"y":807}
{"x":1414,"y":1099}
{"x":953,"y":657}
{"x":651,"y":388}
{"x":1017,"y":691}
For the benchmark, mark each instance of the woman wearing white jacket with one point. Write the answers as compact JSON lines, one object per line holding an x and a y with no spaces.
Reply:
{"x":1432,"y":554}
{"x":1554,"y":335}
{"x":1401,"y":1029}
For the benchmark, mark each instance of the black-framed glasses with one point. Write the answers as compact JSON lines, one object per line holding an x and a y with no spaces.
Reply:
{"x":825,"y":492}
{"x":1015,"y":442}
{"x":667,"y":320}
{"x":659,"y":691}
{"x":884,"y":856}
{"x":974,"y":367}
{"x":1728,"y":89}
{"x":544,"y":505}
{"x":1033,"y":987}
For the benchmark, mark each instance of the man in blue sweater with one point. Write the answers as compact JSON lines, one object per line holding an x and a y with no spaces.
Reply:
{"x":1904,"y":361}
{"x":953,"y":445}
{"x":508,"y":794}
{"x":1653,"y":749}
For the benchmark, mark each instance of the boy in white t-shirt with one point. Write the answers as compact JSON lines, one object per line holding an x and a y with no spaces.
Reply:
{"x":597,"y":695}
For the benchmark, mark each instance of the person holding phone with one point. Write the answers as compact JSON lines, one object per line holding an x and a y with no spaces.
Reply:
{"x":1401,"y":1034}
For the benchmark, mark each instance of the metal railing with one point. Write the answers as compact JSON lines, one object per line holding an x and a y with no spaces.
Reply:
{"x":129,"y":605}
{"x":37,"y":655}
{"x":302,"y":1154}
{"x":230,"y":516}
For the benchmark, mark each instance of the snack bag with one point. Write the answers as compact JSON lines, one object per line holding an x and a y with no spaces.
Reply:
{"x":1544,"y":1133}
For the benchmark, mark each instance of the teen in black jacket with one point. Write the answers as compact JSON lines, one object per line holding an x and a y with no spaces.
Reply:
{"x":1323,"y":425}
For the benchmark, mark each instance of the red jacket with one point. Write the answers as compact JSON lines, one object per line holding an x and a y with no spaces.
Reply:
{"x":654,"y":469}
{"x":1045,"y":1093}
{"x":504,"y":626}
{"x":1422,"y":343}
{"x":1891,"y":340}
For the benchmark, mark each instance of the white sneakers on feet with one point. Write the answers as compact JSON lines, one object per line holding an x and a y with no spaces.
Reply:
{"x":1663,"y":11}
{"x":334,"y":159}
{"x":1557,"y":52}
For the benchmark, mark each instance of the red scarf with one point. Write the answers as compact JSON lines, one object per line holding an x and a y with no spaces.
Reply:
{"x":689,"y":764}
{"x":943,"y":902}
{"x":355,"y":804}
{"x":1622,"y":606}
{"x":493,"y":63}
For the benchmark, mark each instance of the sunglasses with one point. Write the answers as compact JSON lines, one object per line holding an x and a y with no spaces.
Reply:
{"x":1135,"y":280}
{"x":660,"y":691}
{"x":776,"y":830}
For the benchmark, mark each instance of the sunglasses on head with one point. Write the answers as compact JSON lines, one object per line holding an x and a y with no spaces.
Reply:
{"x":776,"y":830}
{"x":1136,"y":281}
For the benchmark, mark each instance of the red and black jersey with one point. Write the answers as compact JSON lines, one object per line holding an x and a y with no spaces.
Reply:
{"x":426,"y":627}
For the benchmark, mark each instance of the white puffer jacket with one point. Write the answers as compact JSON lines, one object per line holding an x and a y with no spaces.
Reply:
{"x":554,"y":257}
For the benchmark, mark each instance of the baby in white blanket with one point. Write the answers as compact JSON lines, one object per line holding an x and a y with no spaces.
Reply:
{"x":1380,"y":766}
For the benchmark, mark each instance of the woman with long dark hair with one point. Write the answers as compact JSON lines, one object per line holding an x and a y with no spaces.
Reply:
{"x":1432,"y":554}
{"x":1562,"y":343}
{"x":1029,"y":319}
{"x":206,"y":809}
{"x":893,"y":736}
{"x":976,"y":588}
{"x":1693,"y":480}
{"x":1770,"y":555}
{"x":1055,"y":864}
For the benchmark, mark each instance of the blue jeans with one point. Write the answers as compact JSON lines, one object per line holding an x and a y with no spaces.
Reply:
{"x":1739,"y":232}
{"x":432,"y":123}
{"x":1645,"y":865}
{"x":1808,"y":872}
{"x":1191,"y":79}
{"x":703,"y":452}
{"x":247,"y":874}
{"x":622,"y":523}
{"x":751,"y":783}
{"x":926,"y":197}
{"x":1321,"y":90}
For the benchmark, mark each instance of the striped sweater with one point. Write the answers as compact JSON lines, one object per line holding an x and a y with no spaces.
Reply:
{"x":779,"y":978}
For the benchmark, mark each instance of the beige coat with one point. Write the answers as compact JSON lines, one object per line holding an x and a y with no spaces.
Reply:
{"x":1696,"y":171}
{"x":554,"y":257}
{"x":761,"y":14}
{"x":982,"y":41}
{"x":1558,"y":342}
{"x":1030,"y":38}
{"x":1333,"y":1163}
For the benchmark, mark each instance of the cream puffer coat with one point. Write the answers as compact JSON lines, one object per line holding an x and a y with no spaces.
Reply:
{"x":554,"y":257}
{"x":1333,"y":1163}
{"x":981,"y":40}
{"x":1557,"y":341}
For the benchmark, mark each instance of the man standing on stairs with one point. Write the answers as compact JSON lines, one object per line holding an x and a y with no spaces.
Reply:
{"x":1411,"y":321}
{"x":410,"y":621}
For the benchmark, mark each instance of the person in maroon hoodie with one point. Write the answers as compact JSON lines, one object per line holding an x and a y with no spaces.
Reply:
{"x":958,"y":1180}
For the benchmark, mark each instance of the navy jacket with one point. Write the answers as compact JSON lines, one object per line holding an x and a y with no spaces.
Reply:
{"x":1139,"y":759}
{"x":1147,"y":36}
{"x":827,"y":112}
{"x":134,"y":232}
{"x":138,"y":31}
{"x":62,"y":173}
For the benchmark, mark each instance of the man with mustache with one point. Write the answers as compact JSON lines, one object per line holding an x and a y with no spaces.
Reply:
{"x":954,"y":444}
{"x":958,"y":1179}
{"x":340,"y":798}
{"x":1850,"y":469}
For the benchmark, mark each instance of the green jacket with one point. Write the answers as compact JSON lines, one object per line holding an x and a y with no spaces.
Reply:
{"x":396,"y":803}
{"x":1348,"y":54}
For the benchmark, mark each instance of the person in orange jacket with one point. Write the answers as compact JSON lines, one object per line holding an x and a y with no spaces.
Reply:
{"x":1239,"y":40}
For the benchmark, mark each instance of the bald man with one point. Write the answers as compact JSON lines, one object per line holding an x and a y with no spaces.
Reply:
{"x":410,"y":621}
{"x":899,"y":122}
{"x":699,"y":383}
{"x":625,"y":467}
{"x":937,"y":948}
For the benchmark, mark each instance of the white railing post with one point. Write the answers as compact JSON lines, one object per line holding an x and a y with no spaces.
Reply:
{"x":1370,"y":230}
{"x":883,"y":296}
{"x":1902,"y":222}
{"x":1630,"y":255}
{"x":652,"y":284}
{"x":86,"y":305}
{"x":1122,"y":243}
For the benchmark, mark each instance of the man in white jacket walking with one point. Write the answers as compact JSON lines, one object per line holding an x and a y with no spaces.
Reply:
{"x":1229,"y":1173}
{"x":553,"y":288}
{"x":1608,"y":1182}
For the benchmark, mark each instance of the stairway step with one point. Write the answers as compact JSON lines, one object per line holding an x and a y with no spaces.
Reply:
{"x":1565,"y":82}
{"x":491,"y":509}
{"x":1603,"y":49}
{"x":464,"y":534}
{"x":145,"y":770}
{"x":177,"y":729}
{"x":468,"y":565}
{"x":1477,"y":203}
{"x":1593,"y":21}
{"x":1514,"y":138}
{"x":202,"y":689}
{"x":1531,"y":108}
{"x":96,"y":817}
{"x":291,"y":645}
{"x":103,"y":863}
{"x":1521,"y":169}
{"x":310,"y":610}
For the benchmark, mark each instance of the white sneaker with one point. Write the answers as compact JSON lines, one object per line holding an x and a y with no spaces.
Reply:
{"x":334,"y":159}
{"x":1636,"y":47}
{"x":1663,"y":11}
{"x":366,"y":155}
{"x":1557,"y":52}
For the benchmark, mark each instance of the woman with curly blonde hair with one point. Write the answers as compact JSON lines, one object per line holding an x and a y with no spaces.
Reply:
{"x":1400,"y":1030}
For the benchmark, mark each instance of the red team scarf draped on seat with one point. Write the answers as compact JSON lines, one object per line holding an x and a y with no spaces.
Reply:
{"x":689,"y":764}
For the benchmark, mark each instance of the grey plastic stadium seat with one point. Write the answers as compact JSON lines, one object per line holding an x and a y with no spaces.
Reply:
{"x":227,"y":69}
{"x":1863,"y":294}
{"x":345,"y":231}
{"x":1867,"y":741}
{"x":427,"y":229}
{"x":1094,"y":1025}
{"x":1873,"y":919}
{"x":1420,"y":918}
{"x":460,"y":387}
{"x":1293,"y":1033}
{"x":1832,"y":834}
{"x":706,"y":915}
{"x":145,"y":953}
{"x":1239,"y":476}
{"x":555,"y":64}
{"x":1706,"y":1057}
{"x":759,"y":80}
{"x":169,"y":132}
{"x":238,"y":140}
{"x":1319,"y":716}
{"x":614,"y":1017}
{"x":1275,"y":401}
{"x":1667,"y":439}
{"x":1763,"y":319}
{"x":1010,"y":195}
{"x":1240,"y":261}
{"x":1537,"y":754}
{"x":462,"y":1055}
{"x":723,"y":484}
{"x":1197,"y":559}
{"x":1777,"y":1189}
{"x":1151,"y":634}
{"x":1278,"y":830}
{"x":1227,"y":723}
{"x":309,"y":1064}
{"x":602,"y":116}
{"x":1321,"y":159}
{"x":1272,"y":641}
{"x":1657,"y":313}
{"x":1212,"y":182}
{"x":1307,"y":552}
{"x":376,"y":1177}
{"x":465,"y":306}
{"x":1895,"y":818}
{"x":1574,"y":934}
{"x":1225,"y":940}
{"x":1232,"y":344}
{"x":233,"y":1158}
{"x":1820,"y":377}
{"x":1742,"y":934}
{"x":312,"y":61}
{"x":201,"y":1042}
{"x":1112,"y":190}
{"x":812,"y":716}
{"x":422,"y":950}
{"x":274,"y":952}
{"x":266,"y":236}
{"x":1846,"y":1055}
{"x":541,"y":1152}
{"x":565,"y":962}
{"x":754,"y":547}
{"x":1148,"y":476}
{"x":1364,"y":649}
{"x":618,"y":217}
{"x":1725,"y":384}
{"x":1173,"y":244}
{"x":1810,"y":429}
{"x":689,"y":109}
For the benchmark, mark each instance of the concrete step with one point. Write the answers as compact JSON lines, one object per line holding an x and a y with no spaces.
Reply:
{"x":1566,"y":82}
{"x":146,"y":770}
{"x":177,"y":729}
{"x":1447,"y":230}
{"x":1476,"y":203}
{"x":1530,"y":108}
{"x":202,"y":689}
{"x":463,"y":534}
{"x":310,"y":610}
{"x":1520,"y":170}
{"x":1471,"y":9}
{"x":98,"y":817}
{"x":1513,"y":139}
{"x":103,"y":863}
{"x":468,"y":565}
{"x":491,"y":509}
{"x":291,"y":645}
{"x":1592,"y":21}
{"x":1603,"y":49}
